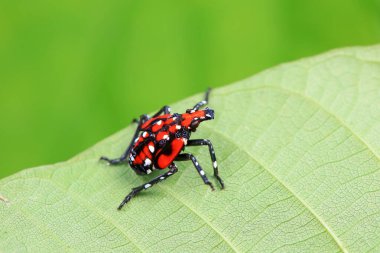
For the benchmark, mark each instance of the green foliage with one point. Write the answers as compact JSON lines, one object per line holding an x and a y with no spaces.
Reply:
{"x":73,"y":72}
{"x":298,"y":148}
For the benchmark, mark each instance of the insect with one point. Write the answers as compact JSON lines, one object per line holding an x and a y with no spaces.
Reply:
{"x":159,"y":140}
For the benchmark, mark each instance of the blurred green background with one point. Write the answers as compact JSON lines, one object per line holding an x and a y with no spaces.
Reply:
{"x":74,"y":72}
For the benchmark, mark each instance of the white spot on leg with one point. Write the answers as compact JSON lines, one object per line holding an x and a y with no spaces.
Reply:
{"x":196,"y":163}
{"x":215,"y":164}
{"x":184,"y":141}
{"x":148,"y":171}
{"x":151,"y":148}
{"x":147,"y":186}
{"x":162,"y":178}
{"x":202,"y":172}
{"x":147,"y":162}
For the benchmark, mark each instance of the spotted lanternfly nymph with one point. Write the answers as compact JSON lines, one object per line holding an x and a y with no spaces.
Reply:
{"x":162,"y":139}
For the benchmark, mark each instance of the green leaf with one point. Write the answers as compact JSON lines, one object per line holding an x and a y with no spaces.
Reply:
{"x":299,"y":151}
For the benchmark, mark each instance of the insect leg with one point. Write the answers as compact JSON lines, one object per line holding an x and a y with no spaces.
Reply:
{"x":203,"y":102}
{"x":172,"y":170}
{"x":186,"y":157}
{"x":200,"y":142}
{"x":124,"y":156}
{"x":165,"y":110}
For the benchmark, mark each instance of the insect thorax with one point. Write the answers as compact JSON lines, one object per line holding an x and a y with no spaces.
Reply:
{"x":159,"y":143}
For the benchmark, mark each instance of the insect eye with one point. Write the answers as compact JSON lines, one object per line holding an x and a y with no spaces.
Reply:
{"x":194,"y":124}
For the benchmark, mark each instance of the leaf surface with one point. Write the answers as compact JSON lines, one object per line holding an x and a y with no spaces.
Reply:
{"x":298,"y":148}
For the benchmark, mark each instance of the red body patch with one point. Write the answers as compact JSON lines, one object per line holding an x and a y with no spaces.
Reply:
{"x":166,"y":155}
{"x":162,"y":139}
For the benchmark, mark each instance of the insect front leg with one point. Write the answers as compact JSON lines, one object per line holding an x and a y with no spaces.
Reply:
{"x":202,"y":142}
{"x":203,"y":102}
{"x":172,"y":170}
{"x":124,"y":156}
{"x":187,"y":157}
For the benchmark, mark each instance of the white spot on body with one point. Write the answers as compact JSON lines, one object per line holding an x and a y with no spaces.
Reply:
{"x":166,"y":137}
{"x":147,"y":186}
{"x":192,"y":111}
{"x":137,"y":139}
{"x":178,"y":127}
{"x":159,"y":122}
{"x":131,"y":158}
{"x":151,"y":148}
{"x":184,"y":141}
{"x":145,"y":134}
{"x":208,"y":115}
{"x":169,"y":109}
{"x":215,"y":164}
{"x":147,"y":162}
{"x":202,"y":172}
{"x":174,"y":118}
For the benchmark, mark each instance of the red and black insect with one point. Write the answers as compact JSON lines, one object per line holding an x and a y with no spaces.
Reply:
{"x":163,"y":137}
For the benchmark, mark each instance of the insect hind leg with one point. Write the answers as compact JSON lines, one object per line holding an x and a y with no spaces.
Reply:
{"x":124,"y":156}
{"x":172,"y":170}
{"x":165,"y":110}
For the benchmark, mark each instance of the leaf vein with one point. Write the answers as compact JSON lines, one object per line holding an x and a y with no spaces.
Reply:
{"x":324,"y":224}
